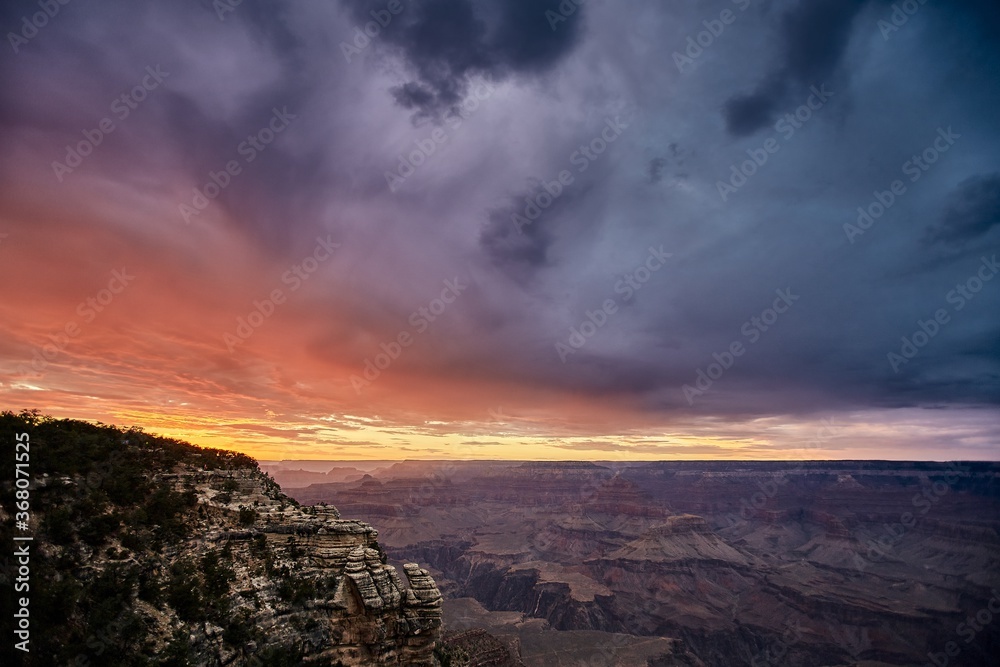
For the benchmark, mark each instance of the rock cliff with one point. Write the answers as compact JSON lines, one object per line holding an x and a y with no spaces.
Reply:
{"x":360,"y":613}
{"x":149,"y":551}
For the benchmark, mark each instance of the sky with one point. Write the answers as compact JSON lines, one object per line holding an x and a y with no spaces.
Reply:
{"x":520,"y":229}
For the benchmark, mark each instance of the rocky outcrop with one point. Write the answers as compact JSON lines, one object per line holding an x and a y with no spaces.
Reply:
{"x":321,"y":573}
{"x":151,"y":551}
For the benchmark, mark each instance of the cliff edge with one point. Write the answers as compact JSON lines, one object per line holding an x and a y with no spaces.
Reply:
{"x":150,"y":551}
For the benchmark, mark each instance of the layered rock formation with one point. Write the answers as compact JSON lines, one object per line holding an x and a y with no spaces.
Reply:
{"x":729,"y":563}
{"x":360,"y":613}
{"x":148,"y":551}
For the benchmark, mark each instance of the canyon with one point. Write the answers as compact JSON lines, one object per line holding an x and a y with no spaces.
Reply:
{"x":698,"y":563}
{"x":151,"y":551}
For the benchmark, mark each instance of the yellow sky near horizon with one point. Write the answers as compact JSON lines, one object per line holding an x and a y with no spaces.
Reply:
{"x":510,"y":437}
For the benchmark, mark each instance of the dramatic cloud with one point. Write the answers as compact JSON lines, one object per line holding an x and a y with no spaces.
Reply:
{"x":813,"y":37}
{"x":503,"y":228}
{"x":448,"y":42}
{"x":974,"y":210}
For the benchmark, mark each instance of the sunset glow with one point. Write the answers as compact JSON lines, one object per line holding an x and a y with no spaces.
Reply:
{"x":251,"y":259}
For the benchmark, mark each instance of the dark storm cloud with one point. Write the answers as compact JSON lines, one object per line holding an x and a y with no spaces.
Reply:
{"x":517,"y":250}
{"x":974,"y":210}
{"x":813,"y":36}
{"x":672,"y":163}
{"x":447,"y":42}
{"x":745,"y":114}
{"x":656,"y":186}
{"x":656,"y":167}
{"x":266,"y":66}
{"x":517,"y":237}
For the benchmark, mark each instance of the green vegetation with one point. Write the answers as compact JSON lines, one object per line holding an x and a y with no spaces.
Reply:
{"x":280,"y":656}
{"x":184,"y":592}
{"x":94,"y":496}
{"x":248,"y":515}
{"x":295,"y":590}
{"x":451,"y":656}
